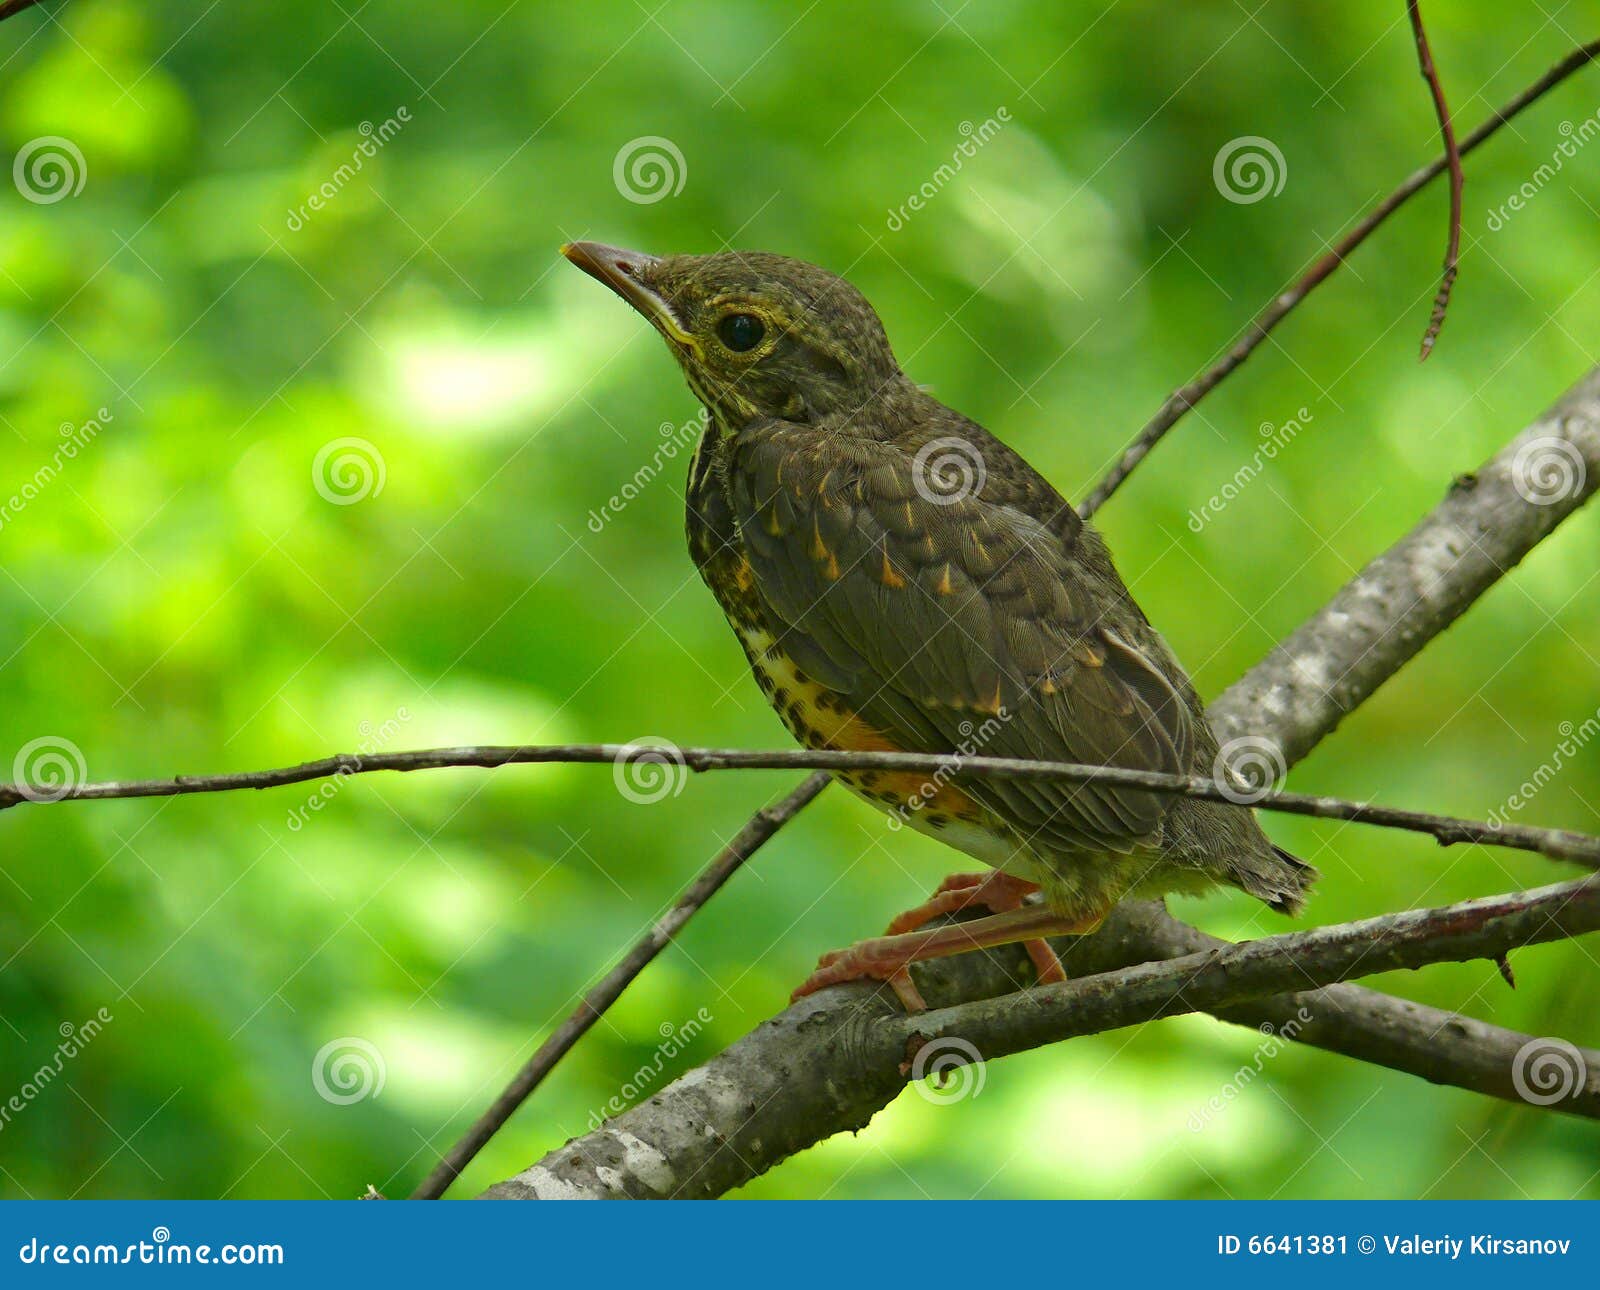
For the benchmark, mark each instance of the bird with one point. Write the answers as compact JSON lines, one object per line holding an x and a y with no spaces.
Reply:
{"x":902,"y":580}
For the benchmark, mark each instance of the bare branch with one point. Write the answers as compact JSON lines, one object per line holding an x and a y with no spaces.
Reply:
{"x":1452,"y":156}
{"x":608,"y":990}
{"x":1281,"y":305}
{"x":1558,"y":844}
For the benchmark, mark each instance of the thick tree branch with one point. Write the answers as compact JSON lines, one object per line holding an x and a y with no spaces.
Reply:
{"x":857,"y":1047}
{"x":737,"y":1116}
{"x":1282,"y":305}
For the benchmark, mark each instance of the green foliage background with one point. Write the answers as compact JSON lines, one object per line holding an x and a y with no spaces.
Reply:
{"x":179,"y":597}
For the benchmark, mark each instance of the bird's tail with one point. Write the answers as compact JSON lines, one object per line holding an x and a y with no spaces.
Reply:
{"x":1281,"y":880}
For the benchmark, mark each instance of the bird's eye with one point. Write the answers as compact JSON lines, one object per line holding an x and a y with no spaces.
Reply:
{"x":740,"y":332}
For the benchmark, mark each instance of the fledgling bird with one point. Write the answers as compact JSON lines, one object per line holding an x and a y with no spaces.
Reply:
{"x":902,"y":580}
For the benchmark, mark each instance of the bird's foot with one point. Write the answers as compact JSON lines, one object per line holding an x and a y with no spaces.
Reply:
{"x":889,"y":958}
{"x":995,"y":891}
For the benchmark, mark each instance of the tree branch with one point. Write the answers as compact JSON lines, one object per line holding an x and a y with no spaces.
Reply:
{"x":735,"y":1117}
{"x":859,"y":1047}
{"x":1283,"y":304}
{"x":664,"y":761}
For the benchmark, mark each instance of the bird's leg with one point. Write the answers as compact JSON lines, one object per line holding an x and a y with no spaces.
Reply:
{"x":995,"y":891}
{"x":886,"y":958}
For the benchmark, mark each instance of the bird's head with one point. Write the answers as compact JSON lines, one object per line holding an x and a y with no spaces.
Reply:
{"x":757,"y":335}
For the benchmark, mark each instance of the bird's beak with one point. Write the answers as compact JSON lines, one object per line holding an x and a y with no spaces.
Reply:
{"x":625,"y":272}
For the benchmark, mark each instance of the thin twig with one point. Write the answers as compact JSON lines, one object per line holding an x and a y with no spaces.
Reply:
{"x":608,"y":990}
{"x":1452,"y":254}
{"x":10,"y":8}
{"x":1185,"y":397}
{"x":658,"y":760}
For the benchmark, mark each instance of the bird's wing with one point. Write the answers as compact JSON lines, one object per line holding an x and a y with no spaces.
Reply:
{"x":932,"y":616}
